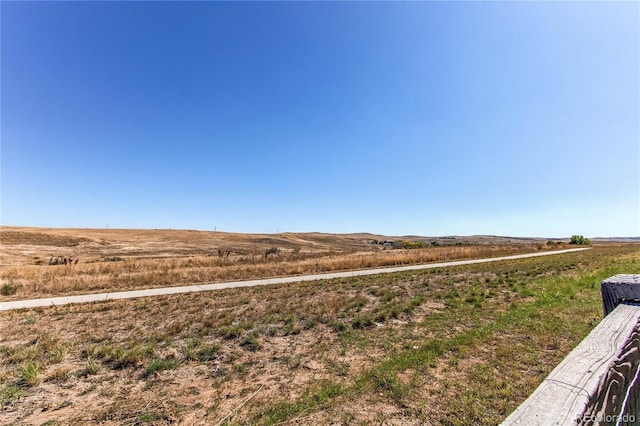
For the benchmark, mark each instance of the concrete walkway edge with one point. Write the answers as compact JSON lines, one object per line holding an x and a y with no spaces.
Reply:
{"x":101,"y":297}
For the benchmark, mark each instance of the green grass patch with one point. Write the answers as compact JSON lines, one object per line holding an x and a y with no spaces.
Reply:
{"x":157,"y":365}
{"x":9,"y":394}
{"x":29,"y":373}
{"x":315,"y":398}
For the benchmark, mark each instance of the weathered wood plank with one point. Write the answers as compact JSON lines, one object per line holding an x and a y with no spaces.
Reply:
{"x":617,"y":394}
{"x":580,"y":379}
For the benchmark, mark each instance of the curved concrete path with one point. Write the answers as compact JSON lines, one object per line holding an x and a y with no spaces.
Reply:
{"x":100,"y":297}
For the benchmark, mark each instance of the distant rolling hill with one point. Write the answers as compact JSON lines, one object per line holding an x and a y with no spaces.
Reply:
{"x":26,"y":245}
{"x":616,"y":240}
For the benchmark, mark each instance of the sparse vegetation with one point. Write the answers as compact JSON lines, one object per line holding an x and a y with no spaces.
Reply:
{"x":457,"y":345}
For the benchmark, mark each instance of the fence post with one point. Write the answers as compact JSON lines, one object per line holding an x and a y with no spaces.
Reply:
{"x":619,"y":288}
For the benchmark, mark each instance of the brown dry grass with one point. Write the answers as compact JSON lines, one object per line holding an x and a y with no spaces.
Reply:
{"x":458,"y":345}
{"x":117,"y":260}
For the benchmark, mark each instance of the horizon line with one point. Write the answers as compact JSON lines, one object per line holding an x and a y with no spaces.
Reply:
{"x":314,"y":232}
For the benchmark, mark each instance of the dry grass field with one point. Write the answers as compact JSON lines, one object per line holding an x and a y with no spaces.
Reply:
{"x":117,"y":260}
{"x":450,"y":346}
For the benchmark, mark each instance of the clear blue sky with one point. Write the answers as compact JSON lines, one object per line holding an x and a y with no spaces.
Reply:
{"x":431,"y":118}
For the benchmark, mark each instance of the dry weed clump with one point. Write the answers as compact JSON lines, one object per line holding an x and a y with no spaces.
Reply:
{"x":135,"y":273}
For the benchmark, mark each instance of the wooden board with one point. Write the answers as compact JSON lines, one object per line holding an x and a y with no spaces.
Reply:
{"x":617,"y":395}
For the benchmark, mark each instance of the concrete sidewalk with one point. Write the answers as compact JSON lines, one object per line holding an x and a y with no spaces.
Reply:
{"x":99,"y":297}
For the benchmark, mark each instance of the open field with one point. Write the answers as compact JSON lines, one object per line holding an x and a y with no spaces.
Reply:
{"x":449,"y":346}
{"x":29,"y":246}
{"x":117,"y":260}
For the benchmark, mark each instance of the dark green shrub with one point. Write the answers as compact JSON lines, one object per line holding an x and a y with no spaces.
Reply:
{"x":580,"y":240}
{"x":8,"y":289}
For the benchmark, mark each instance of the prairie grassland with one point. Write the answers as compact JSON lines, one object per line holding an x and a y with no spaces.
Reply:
{"x":450,"y":346}
{"x":135,"y":273}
